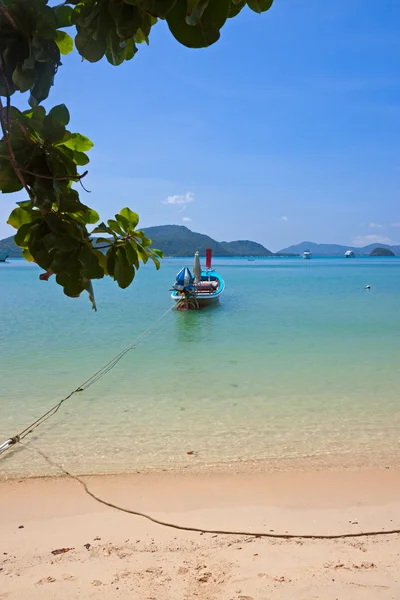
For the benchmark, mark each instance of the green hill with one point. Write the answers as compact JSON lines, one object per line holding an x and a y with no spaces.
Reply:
{"x":8,"y":246}
{"x":382,"y":252}
{"x":177,"y":240}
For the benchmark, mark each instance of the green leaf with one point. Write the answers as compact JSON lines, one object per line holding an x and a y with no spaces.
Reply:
{"x":64,"y":15}
{"x":141,"y":37}
{"x":44,"y":80}
{"x":21,"y":238}
{"x":131,"y":217}
{"x":70,"y":202}
{"x":54,"y":221}
{"x":46,"y":21}
{"x":35,"y":116}
{"x":110,"y":257}
{"x":115,"y":52}
{"x":123,"y":272}
{"x":59,"y":115}
{"x":59,"y":242}
{"x":78,"y":142}
{"x":101,"y":257}
{"x":90,"y":48}
{"x":130,"y":49}
{"x":195,"y":10}
{"x":72,"y":284}
{"x":155,"y":261}
{"x":86,"y":216}
{"x":9,"y":181}
{"x":64,"y":42}
{"x":236,"y":7}
{"x":206,"y":32}
{"x":20,"y":216}
{"x":90,"y":263}
{"x":101,"y":240}
{"x":157,"y":8}
{"x":131,"y":253}
{"x":102,"y":228}
{"x":27,"y":255}
{"x":81,"y":158}
{"x":129,"y":21}
{"x":143,"y":255}
{"x":260,"y":6}
{"x":114,"y":225}
{"x":54,"y":123}
{"x":23,"y":79}
{"x":123,"y":223}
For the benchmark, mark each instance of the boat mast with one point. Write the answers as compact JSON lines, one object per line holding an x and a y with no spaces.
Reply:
{"x":208,"y":258}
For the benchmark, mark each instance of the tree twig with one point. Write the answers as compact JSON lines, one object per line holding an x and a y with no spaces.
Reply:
{"x":66,"y":178}
{"x":5,"y":12}
{"x":5,"y":127}
{"x":88,"y":191}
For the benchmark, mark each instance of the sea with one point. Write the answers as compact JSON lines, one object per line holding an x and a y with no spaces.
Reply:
{"x":297,"y":366}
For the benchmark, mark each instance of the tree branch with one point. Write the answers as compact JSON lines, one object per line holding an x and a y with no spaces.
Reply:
{"x":66,"y":178}
{"x":5,"y":127}
{"x":5,"y":12}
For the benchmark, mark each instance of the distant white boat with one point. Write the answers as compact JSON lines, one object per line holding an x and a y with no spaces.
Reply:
{"x":307,"y":254}
{"x":349,"y":254}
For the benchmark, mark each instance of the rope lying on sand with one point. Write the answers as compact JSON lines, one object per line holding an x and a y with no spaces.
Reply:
{"x":93,"y":379}
{"x":261,"y":534}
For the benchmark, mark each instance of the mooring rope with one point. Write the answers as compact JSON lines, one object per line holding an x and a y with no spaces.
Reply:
{"x":93,"y":379}
{"x":81,"y":388}
{"x":259,"y":534}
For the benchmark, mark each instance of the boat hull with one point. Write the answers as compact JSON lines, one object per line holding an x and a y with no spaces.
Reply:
{"x":204,"y":299}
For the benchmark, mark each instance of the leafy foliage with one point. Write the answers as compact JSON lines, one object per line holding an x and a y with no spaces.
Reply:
{"x":40,"y":155}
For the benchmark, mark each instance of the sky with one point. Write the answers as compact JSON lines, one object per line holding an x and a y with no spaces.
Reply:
{"x":287,"y":129}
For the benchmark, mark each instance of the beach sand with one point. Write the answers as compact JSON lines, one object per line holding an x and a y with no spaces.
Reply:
{"x":112,"y":554}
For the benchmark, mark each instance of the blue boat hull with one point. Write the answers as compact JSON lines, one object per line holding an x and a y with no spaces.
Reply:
{"x":205,"y":298}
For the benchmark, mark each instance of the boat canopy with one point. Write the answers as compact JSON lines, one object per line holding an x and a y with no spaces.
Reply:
{"x":184,"y":280}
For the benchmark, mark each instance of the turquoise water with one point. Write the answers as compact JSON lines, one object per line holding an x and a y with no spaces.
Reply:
{"x":298,"y":363}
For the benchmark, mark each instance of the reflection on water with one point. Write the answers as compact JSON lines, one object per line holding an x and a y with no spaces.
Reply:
{"x":197,"y":325}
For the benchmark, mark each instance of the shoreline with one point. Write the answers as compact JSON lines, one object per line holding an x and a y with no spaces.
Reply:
{"x":192,"y":462}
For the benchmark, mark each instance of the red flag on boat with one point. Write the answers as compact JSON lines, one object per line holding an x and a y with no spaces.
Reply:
{"x":208,"y":258}
{"x":45,"y":276}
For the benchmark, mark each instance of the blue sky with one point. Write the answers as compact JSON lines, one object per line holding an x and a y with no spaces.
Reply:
{"x":287,"y":129}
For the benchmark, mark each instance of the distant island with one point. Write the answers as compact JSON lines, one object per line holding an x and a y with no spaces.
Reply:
{"x":337,"y":249}
{"x":382,"y":252}
{"x":178,"y":240}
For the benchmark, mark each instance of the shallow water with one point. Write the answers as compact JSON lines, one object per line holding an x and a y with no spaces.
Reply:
{"x":297,"y":361}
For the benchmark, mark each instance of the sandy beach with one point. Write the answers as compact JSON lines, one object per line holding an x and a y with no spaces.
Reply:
{"x":58,"y":542}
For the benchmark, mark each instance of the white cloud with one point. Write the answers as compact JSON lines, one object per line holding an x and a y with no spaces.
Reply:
{"x":186,"y":219}
{"x":376,"y":226}
{"x":364,"y":240}
{"x":179,"y":199}
{"x":284,"y":219}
